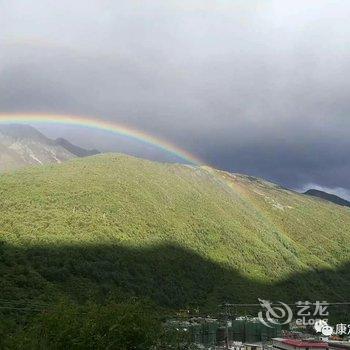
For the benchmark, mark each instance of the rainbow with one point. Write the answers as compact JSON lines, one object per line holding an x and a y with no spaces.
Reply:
{"x":95,"y":123}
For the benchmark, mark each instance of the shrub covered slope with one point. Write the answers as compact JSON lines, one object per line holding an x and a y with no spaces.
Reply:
{"x":177,"y":234}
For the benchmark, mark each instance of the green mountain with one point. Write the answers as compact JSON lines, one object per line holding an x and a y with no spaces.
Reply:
{"x":328,"y":197}
{"x":177,"y":234}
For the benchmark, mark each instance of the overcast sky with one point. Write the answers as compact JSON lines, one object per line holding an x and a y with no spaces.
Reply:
{"x":258,"y":87}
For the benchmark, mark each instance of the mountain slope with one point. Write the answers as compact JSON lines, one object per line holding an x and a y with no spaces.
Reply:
{"x":76,"y":150}
{"x":328,"y":197}
{"x":178,"y":234}
{"x":23,"y":145}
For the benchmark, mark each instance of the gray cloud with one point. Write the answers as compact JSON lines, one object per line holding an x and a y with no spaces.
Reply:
{"x":259,"y":87}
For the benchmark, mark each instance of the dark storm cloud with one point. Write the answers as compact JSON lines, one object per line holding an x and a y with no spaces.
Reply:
{"x":259,"y":87}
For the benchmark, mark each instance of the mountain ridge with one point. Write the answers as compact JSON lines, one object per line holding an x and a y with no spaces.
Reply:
{"x":328,"y":197}
{"x":22,"y":145}
{"x":74,"y":149}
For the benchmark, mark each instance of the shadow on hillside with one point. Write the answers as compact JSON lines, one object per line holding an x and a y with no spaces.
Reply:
{"x":168,"y":275}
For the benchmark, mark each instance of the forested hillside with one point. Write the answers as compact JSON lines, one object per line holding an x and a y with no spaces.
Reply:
{"x":177,"y":234}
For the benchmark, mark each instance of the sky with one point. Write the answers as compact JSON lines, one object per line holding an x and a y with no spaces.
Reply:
{"x":256,"y":87}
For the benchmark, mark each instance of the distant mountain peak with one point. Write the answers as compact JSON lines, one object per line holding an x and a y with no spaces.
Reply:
{"x":22,"y":145}
{"x":328,"y":197}
{"x":22,"y":131}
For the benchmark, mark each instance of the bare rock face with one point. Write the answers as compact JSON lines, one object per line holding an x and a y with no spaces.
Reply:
{"x":23,"y":145}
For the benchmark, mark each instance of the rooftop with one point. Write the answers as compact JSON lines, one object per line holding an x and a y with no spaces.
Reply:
{"x":302,"y":344}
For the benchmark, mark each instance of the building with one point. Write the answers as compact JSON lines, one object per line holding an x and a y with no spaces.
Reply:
{"x":339,"y":345}
{"x":253,"y":346}
{"x":295,"y":344}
